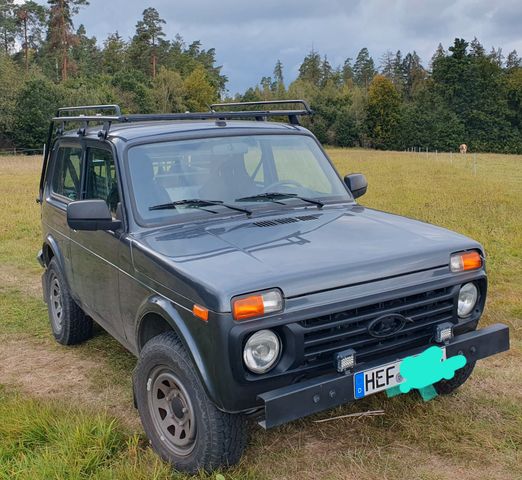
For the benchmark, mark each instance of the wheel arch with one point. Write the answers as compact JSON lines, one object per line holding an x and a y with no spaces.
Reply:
{"x":50,"y":250}
{"x":158,"y":315}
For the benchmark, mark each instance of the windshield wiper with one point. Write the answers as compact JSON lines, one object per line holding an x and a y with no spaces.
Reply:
{"x":198,"y":203}
{"x":273,"y":196}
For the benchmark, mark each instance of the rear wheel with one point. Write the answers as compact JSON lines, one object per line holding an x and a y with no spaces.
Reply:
{"x":68,"y":322}
{"x":184,"y":427}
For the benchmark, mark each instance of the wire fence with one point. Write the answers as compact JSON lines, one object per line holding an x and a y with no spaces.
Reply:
{"x":20,"y":151}
{"x":470,"y":158}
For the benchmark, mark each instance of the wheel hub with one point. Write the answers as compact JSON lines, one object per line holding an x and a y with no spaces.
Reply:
{"x":55,"y":299}
{"x":172,"y":411}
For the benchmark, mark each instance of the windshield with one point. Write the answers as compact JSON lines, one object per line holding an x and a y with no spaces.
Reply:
{"x":172,"y":179}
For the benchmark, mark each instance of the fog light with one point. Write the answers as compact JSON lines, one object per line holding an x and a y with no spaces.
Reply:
{"x":468,"y":296}
{"x":261,"y":351}
{"x":345,"y":360}
{"x":443,"y":332}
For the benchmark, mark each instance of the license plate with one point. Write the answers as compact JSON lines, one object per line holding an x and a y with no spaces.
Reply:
{"x":380,"y":378}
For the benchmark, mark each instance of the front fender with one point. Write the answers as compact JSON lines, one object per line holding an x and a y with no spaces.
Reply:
{"x":187,"y":328}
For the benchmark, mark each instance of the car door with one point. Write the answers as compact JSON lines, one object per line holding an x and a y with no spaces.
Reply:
{"x":63,"y":185}
{"x":95,"y":254}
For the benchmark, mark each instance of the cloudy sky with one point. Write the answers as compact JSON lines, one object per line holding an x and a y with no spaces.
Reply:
{"x":249,"y":36}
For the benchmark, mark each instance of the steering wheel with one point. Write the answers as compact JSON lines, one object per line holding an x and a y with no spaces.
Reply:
{"x":280,"y":183}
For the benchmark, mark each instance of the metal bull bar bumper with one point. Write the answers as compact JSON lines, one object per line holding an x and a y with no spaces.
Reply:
{"x":321,"y":393}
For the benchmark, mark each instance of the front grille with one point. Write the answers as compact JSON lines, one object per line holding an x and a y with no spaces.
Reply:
{"x":349,"y":329}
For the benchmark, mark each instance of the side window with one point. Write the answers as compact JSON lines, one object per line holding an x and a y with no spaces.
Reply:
{"x":66,"y":172}
{"x":101,"y":181}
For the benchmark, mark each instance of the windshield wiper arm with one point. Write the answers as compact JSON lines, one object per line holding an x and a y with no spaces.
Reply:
{"x":273,"y":196}
{"x":198,"y":203}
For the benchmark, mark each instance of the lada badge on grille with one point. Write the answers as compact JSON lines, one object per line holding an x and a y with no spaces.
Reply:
{"x":387,"y":325}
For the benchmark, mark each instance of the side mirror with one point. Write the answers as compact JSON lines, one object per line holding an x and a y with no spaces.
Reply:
{"x":91,"y":215}
{"x":357,"y":184}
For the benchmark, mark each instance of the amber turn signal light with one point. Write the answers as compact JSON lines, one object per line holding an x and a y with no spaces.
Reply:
{"x":256,"y":305}
{"x":200,"y":312}
{"x":461,"y":262}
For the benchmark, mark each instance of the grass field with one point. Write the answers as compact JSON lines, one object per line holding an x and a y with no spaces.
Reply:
{"x":67,"y":412}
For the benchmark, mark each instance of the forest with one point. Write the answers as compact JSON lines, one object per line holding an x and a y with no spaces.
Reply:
{"x":465,"y":94}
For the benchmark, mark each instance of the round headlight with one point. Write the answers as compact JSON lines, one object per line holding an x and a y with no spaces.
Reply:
{"x":261,"y":351}
{"x":468,"y":297}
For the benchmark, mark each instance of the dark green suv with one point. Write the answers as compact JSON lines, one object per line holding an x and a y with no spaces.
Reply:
{"x":227,"y":254}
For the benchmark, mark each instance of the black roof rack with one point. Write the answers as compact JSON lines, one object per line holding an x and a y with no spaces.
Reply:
{"x":107,"y":114}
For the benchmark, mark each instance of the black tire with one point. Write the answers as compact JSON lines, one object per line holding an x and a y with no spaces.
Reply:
{"x":68,"y":322}
{"x":445,"y":387}
{"x":165,"y":377}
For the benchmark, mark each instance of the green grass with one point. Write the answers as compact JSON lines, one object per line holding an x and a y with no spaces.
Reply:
{"x":476,"y":433}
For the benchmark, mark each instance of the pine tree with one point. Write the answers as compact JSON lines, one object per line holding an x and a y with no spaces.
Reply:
{"x":476,"y":48}
{"x":347,"y":71}
{"x":327,"y":72}
{"x":113,"y":54}
{"x":268,"y":86}
{"x":85,"y":52}
{"x":310,"y":69}
{"x":60,"y":35}
{"x":513,"y":60}
{"x":149,"y":32}
{"x":392,"y":67}
{"x":279,"y":80}
{"x":496,"y":56}
{"x":386,"y":64}
{"x":438,"y":55}
{"x":363,"y":68}
{"x":30,"y":21}
{"x":7,"y":25}
{"x":413,"y":73}
{"x":278,"y":72}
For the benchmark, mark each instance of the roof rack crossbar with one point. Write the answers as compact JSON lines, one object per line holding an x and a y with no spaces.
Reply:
{"x":89,"y":108}
{"x":264,"y":102}
{"x":261,"y":114}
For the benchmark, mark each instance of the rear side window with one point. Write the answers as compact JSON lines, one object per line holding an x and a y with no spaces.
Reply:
{"x":67,"y":172}
{"x":101,"y":182}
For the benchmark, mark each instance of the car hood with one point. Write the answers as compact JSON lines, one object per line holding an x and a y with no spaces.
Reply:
{"x":299,"y":252}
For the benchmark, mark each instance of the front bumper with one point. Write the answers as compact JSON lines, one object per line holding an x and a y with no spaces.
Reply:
{"x":311,"y":396}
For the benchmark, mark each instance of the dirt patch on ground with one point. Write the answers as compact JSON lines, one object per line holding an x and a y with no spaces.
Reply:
{"x":46,"y":372}
{"x":25,"y":281}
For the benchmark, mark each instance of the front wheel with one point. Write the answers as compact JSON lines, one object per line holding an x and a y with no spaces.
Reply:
{"x":183,"y":425}
{"x":445,"y":387}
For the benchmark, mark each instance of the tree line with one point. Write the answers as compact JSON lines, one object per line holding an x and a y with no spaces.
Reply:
{"x":465,"y":94}
{"x":46,"y":63}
